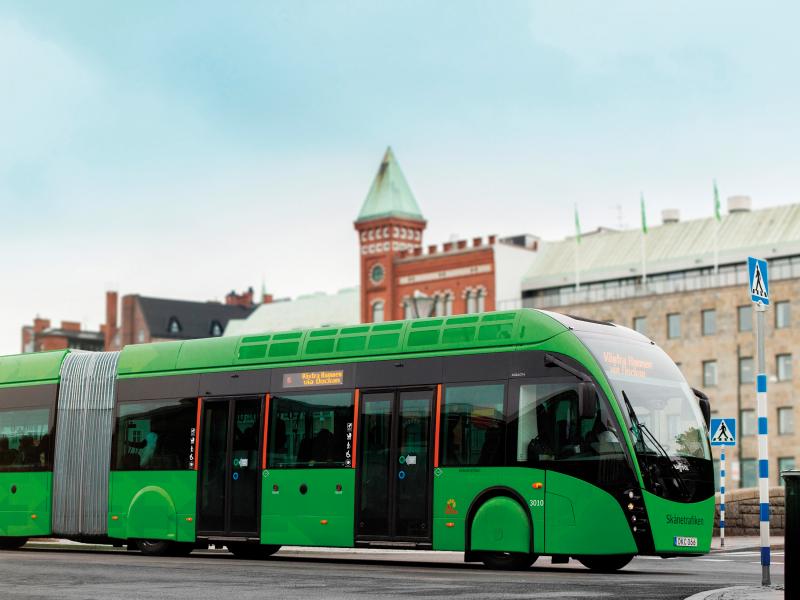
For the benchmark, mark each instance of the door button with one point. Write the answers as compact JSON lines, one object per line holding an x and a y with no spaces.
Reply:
{"x":303,"y":488}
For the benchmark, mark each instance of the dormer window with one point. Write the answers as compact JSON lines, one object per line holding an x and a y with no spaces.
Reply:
{"x":174,"y":325}
{"x":216,"y":329}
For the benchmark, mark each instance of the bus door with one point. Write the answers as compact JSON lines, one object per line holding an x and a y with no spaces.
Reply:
{"x":228,"y":478}
{"x":395,"y":466}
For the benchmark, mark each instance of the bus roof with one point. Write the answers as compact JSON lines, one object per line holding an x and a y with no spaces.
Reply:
{"x":371,"y":341}
{"x":28,"y":369}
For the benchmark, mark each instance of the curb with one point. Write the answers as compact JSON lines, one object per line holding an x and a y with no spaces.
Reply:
{"x":737,"y":588}
{"x":743,"y":548}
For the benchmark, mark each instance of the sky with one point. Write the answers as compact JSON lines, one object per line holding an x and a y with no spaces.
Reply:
{"x":185,"y":149}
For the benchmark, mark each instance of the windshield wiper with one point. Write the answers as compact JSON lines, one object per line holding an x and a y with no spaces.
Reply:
{"x":641,"y":427}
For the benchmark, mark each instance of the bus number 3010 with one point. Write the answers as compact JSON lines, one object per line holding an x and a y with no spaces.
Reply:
{"x":536,"y":503}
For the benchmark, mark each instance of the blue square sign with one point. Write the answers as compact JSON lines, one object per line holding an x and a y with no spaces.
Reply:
{"x":723,"y":432}
{"x":759,"y":280}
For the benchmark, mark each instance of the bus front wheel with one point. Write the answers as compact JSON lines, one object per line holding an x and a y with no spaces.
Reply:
{"x":12,"y":543}
{"x":252,"y":551}
{"x":509,"y":561}
{"x":606,"y":564}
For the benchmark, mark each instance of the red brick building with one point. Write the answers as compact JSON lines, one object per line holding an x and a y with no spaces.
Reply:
{"x":461,"y":277}
{"x":41,"y":336}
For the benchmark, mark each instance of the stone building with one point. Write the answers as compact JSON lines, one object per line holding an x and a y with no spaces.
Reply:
{"x":41,"y":337}
{"x":701,"y":317}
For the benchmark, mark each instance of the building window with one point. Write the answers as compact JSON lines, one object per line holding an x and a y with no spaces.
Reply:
{"x":745,"y":318}
{"x":438,"y":305}
{"x":474,"y":428}
{"x":749,"y":473}
{"x":640,"y":325}
{"x":481,"y":293}
{"x":216,"y":329}
{"x":748,"y":420}
{"x":139,"y":337}
{"x":448,"y":304}
{"x":709,"y":318}
{"x":785,"y":420}
{"x":785,"y":463}
{"x":174,"y":325}
{"x":310,"y":430}
{"x":709,"y":373}
{"x":746,"y":374}
{"x":784,"y":366}
{"x":155,"y":435}
{"x":408,"y":312}
{"x":783,"y":315}
{"x":377,"y":312}
{"x":674,"y":326}
{"x":472,"y":302}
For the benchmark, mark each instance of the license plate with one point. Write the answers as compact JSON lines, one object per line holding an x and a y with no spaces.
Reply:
{"x":685,"y":542}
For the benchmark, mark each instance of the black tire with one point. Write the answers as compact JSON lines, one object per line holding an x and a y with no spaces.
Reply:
{"x":508,"y":561}
{"x":155,"y":547}
{"x":252,"y":551}
{"x":606,"y":564}
{"x":12,"y":543}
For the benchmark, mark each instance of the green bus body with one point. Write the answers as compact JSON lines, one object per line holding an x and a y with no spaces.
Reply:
{"x":474,"y":509}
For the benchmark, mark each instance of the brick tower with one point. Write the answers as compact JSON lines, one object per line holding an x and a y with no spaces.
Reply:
{"x":389,"y":222}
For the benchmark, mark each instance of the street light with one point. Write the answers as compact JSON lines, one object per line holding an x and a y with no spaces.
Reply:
{"x":422,"y":305}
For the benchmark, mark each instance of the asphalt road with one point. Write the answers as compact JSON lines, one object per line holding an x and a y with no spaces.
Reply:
{"x":79,"y":572}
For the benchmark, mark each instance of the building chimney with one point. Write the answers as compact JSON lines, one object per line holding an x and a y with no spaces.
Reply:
{"x":461,"y":244}
{"x":739,"y":204}
{"x":432,"y":249}
{"x":447,"y":246}
{"x":476,"y":242}
{"x":111,"y":319}
{"x":266,"y":298}
{"x":670,"y":215}
{"x":39,"y":325}
{"x":70,"y":325}
{"x":492,"y":240}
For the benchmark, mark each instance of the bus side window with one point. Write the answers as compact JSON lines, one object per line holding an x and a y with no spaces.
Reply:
{"x":309,"y":430}
{"x":550,"y":426}
{"x":473,"y":425}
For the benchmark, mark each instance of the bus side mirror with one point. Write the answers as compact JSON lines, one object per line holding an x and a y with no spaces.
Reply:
{"x":587,"y":401}
{"x":705,"y":406}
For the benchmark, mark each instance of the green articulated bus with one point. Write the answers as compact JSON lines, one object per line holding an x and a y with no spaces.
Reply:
{"x":505,"y":435}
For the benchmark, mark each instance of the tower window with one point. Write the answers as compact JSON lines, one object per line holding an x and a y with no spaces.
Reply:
{"x":377,"y":312}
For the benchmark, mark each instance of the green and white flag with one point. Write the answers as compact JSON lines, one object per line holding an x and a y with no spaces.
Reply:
{"x":644,"y":215}
{"x":577,"y":226}
{"x":717,"y":214}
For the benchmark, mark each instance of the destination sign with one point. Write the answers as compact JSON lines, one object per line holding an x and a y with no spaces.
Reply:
{"x":313,"y":379}
{"x":626,"y":365}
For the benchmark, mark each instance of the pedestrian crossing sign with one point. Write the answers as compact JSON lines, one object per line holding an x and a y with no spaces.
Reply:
{"x":723,"y":432}
{"x":759,"y":280}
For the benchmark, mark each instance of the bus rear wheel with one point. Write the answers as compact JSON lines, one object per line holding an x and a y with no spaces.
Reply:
{"x":12,"y":543}
{"x":509,"y":561}
{"x":605,"y":564}
{"x":252,"y":551}
{"x":164,"y":548}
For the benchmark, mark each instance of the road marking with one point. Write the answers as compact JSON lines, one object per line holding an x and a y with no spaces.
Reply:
{"x":716,"y":559}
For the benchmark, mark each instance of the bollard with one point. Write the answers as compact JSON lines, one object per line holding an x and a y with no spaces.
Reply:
{"x":791,"y":534}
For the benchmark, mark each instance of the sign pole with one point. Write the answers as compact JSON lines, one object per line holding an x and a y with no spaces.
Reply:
{"x":763,"y":459}
{"x":758,"y":275}
{"x":722,"y":499}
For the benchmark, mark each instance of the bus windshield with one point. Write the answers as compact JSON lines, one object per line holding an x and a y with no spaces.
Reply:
{"x":662,"y":413}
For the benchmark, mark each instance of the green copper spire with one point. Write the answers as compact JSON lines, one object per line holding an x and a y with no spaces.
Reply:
{"x":389,"y":195}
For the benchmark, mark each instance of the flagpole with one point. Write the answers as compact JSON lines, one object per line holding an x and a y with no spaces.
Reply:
{"x":717,"y":220}
{"x":644,"y":242}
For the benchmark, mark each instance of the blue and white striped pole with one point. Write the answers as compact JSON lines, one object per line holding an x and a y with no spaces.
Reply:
{"x":763,"y":457}
{"x":722,"y":498}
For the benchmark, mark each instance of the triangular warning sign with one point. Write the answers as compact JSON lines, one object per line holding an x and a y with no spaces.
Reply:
{"x":722,"y":434}
{"x":758,"y":283}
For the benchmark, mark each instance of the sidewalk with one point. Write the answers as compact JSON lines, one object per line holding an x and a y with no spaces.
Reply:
{"x":745,"y":542}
